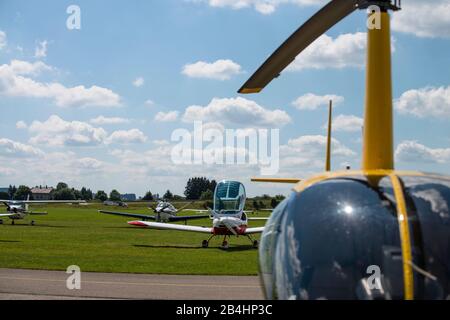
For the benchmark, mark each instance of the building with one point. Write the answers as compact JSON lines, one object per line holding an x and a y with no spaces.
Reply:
{"x":42,"y":193}
{"x":128,"y":197}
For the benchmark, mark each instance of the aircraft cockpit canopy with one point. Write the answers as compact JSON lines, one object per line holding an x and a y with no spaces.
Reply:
{"x":229,"y":197}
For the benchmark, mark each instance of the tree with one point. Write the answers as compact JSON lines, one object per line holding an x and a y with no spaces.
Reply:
{"x":274,"y":202}
{"x":206,"y":195}
{"x":11,"y":191}
{"x":168,"y":195}
{"x":61,"y":185}
{"x":148,"y":196}
{"x":196,"y":186}
{"x":255,"y":205}
{"x":64,"y":194}
{"x":4,"y":195}
{"x":22,"y":193}
{"x":86,"y":194}
{"x":101,"y":195}
{"x":77,"y":194}
{"x":114,"y":195}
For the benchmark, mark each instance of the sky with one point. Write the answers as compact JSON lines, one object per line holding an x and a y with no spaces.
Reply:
{"x":97,"y":106}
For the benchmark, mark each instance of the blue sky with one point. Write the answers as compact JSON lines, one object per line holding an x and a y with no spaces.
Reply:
{"x":56,"y":82}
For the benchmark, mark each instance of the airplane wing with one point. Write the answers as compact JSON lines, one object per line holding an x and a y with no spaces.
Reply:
{"x":196,"y":210}
{"x":259,"y":218}
{"x":37,"y":213}
{"x":6,"y":214}
{"x":183,"y":218}
{"x":168,"y":226}
{"x":126,"y":214}
{"x":51,"y":201}
{"x":254,"y":230}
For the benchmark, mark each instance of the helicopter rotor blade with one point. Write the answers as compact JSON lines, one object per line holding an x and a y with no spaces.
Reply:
{"x":324,"y":19}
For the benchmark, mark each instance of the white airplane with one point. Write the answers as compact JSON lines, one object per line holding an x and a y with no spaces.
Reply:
{"x":18,"y":209}
{"x":164,"y":212}
{"x":228,"y":216}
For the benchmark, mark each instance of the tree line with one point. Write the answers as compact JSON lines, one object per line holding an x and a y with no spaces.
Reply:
{"x":197,"y":188}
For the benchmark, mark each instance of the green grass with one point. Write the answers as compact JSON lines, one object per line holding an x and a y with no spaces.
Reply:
{"x":102,"y":243}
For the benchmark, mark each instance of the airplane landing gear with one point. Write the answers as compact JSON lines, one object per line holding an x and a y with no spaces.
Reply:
{"x":12,"y":222}
{"x":32,"y":222}
{"x":205,"y":243}
{"x":1,"y":221}
{"x":255,"y":243}
{"x":225,"y":244}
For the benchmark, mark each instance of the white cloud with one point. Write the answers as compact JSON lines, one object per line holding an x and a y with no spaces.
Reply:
{"x":166,"y":116}
{"x":261,"y":6}
{"x":21,"y":124}
{"x":2,"y":39}
{"x":347,"y":50}
{"x":19,"y":67}
{"x":127,"y":137}
{"x":423,"y":19}
{"x":425,"y":102}
{"x":88,"y":164}
{"x":308,"y":153}
{"x":41,"y":49}
{"x":412,"y":151}
{"x":58,"y":132}
{"x":236,"y":111}
{"x":139,"y":82}
{"x":218,"y":70}
{"x":108,"y":120}
{"x":14,"y":83}
{"x":10,"y":148}
{"x":348,"y":123}
{"x":149,"y":102}
{"x":311,"y":101}
{"x":161,"y":142}
{"x":314,"y":145}
{"x":7,"y":172}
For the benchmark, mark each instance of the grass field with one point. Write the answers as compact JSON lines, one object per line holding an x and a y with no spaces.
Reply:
{"x":79,"y":235}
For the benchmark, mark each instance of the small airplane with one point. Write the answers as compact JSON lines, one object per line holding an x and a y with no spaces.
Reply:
{"x":322,"y":241}
{"x":18,"y":209}
{"x":115,"y":203}
{"x":164,"y":212}
{"x":228,"y":216}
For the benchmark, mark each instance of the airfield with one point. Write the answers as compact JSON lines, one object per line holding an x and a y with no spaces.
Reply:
{"x":99,"y":243}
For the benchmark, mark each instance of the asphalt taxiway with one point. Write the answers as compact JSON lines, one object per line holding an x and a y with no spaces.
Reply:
{"x":42,"y":284}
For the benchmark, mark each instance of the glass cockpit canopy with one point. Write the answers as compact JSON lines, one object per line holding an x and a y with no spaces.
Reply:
{"x":229,"y":197}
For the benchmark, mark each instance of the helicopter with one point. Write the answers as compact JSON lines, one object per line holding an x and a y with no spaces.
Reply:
{"x":370,"y":234}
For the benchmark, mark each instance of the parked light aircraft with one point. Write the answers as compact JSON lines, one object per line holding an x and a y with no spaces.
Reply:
{"x":164,"y":212}
{"x":374,"y":233}
{"x":18,"y":209}
{"x":228,"y":216}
